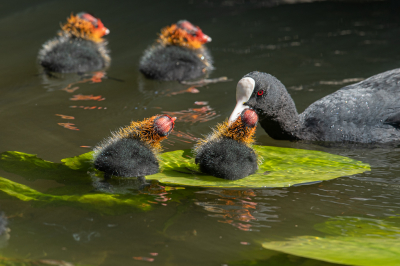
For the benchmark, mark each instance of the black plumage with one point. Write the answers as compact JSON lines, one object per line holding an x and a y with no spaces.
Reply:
{"x":172,"y":62}
{"x":227,"y":158}
{"x":73,"y":56}
{"x":127,"y":158}
{"x":132,"y":150}
{"x":365,"y":112}
{"x":227,"y":153}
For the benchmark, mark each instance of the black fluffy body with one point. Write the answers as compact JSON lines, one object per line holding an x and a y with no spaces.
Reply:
{"x":73,"y":55}
{"x":365,"y":112}
{"x":226,"y":158}
{"x":127,"y":158}
{"x":172,"y":62}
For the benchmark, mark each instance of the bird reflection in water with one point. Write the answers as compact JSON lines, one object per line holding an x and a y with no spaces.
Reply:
{"x":232,"y":207}
{"x":68,"y":126}
{"x":188,"y":90}
{"x":193,"y":115}
{"x":160,"y":192}
{"x":157,"y":193}
{"x":55,"y":81}
{"x":66,"y":116}
{"x":184,"y":136}
{"x":80,"y":97}
{"x":95,"y":77}
{"x":89,"y":107}
{"x":70,"y":82}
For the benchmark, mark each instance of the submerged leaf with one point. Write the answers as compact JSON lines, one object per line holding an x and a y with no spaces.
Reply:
{"x":72,"y":170}
{"x":346,"y":250}
{"x":104,"y":203}
{"x":273,"y":258}
{"x":358,"y":241}
{"x":4,"y":261}
{"x":360,"y":227}
{"x":281,"y":167}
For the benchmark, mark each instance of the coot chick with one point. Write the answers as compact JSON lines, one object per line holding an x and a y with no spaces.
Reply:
{"x":178,"y":54}
{"x":365,"y":112}
{"x":78,"y":48}
{"x":132,"y":151}
{"x":226,"y":153}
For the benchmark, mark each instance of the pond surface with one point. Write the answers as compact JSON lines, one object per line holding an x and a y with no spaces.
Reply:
{"x":313,"y":48}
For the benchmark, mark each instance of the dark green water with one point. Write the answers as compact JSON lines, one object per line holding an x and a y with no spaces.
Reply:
{"x":313,"y":48}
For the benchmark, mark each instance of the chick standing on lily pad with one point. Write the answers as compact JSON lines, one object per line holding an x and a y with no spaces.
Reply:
{"x":227,"y":153}
{"x":132,"y":151}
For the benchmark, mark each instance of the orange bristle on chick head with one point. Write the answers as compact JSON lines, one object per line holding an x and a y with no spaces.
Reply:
{"x":184,"y":33}
{"x":85,"y":26}
{"x":242,"y":129}
{"x":151,"y":130}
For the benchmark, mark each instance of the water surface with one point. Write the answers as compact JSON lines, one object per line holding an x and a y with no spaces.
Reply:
{"x":313,"y":48}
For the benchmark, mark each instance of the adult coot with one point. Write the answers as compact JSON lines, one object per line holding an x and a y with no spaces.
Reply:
{"x":132,"y":151}
{"x":178,"y":54}
{"x":226,"y":153}
{"x":365,"y":112}
{"x":78,"y":48}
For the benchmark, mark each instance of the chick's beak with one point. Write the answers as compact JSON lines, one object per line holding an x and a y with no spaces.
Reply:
{"x":207,"y":38}
{"x":203,"y":38}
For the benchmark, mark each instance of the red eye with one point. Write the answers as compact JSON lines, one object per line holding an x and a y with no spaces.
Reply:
{"x":260,"y":92}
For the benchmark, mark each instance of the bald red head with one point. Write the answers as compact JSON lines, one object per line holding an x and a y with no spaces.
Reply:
{"x":195,"y":31}
{"x":98,"y":26}
{"x":164,"y":124}
{"x":249,"y":117}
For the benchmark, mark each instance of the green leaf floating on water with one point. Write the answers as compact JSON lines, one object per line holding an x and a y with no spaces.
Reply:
{"x":360,"y":227}
{"x":72,"y":172}
{"x":281,"y":167}
{"x":5,"y":261}
{"x":358,"y":241}
{"x":99,"y":202}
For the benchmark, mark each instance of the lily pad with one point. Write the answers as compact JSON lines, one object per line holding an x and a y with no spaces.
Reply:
{"x":78,"y":185}
{"x":100,"y":202}
{"x":281,"y":167}
{"x":5,"y":261}
{"x":359,"y":241}
{"x":360,"y":227}
{"x":71,"y":171}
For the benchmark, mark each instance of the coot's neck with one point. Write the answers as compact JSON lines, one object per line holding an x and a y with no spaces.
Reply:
{"x":283,"y":122}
